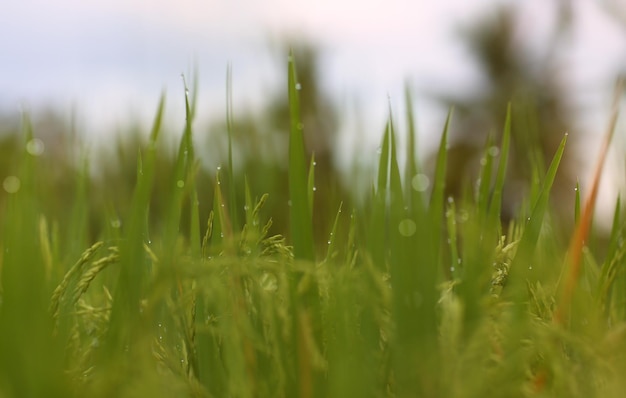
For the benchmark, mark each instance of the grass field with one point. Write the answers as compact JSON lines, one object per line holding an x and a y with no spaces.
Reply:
{"x":409,"y":294}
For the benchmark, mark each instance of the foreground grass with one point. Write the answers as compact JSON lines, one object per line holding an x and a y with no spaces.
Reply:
{"x":412,"y":294}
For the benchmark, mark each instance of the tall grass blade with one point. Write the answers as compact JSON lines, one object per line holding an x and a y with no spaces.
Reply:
{"x":300,"y":215}
{"x":125,"y":316}
{"x":311,"y":183}
{"x":411,"y":167}
{"x":523,"y":260}
{"x":582,"y":229}
{"x":377,"y":232}
{"x":232,"y":196}
{"x":495,"y":207}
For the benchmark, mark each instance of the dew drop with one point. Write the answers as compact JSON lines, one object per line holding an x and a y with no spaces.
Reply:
{"x":300,"y":126}
{"x":116,"y":223}
{"x":11,"y":184}
{"x":493,"y":151}
{"x":420,"y":182}
{"x":35,"y":147}
{"x":483,"y":161}
{"x":289,"y":203}
{"x":314,"y":188}
{"x":298,"y":86}
{"x":219,"y":168}
{"x":407,"y":227}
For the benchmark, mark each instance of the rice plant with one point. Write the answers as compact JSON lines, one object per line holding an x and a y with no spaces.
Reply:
{"x":412,"y":294}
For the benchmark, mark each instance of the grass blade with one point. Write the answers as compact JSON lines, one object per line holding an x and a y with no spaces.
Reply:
{"x":582,"y":229}
{"x":300,"y":215}
{"x":130,"y":286}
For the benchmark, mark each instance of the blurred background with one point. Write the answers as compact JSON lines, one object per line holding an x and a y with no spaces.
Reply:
{"x":92,"y":73}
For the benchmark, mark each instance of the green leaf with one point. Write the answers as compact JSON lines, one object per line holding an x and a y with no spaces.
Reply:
{"x":299,"y":211}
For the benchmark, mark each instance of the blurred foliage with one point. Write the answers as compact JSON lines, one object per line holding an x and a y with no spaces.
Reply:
{"x":259,"y":145}
{"x":531,"y":82}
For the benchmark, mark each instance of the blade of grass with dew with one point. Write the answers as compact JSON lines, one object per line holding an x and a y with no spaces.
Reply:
{"x":194,"y":225}
{"x":311,"y":183}
{"x":522,"y":262}
{"x":436,"y":207}
{"x":495,"y":207}
{"x":411,"y":167}
{"x":304,"y":294}
{"x":125,"y":316}
{"x":395,"y":181}
{"x":332,"y":239}
{"x":453,"y":271}
{"x":577,"y":204}
{"x":221,"y":233}
{"x":484,"y":182}
{"x":573,"y":266}
{"x":377,"y":232}
{"x":232,"y":197}
{"x":300,"y":216}
{"x":184,"y":161}
{"x":414,"y":292}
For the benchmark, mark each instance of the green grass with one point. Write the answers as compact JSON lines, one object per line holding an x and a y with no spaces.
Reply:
{"x":411,"y":294}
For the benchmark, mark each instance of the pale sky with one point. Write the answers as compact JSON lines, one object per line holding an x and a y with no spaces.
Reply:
{"x":111,"y":59}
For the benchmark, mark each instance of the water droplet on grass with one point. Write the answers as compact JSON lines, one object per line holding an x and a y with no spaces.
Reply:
{"x":493,"y":151}
{"x":180,"y":183}
{"x":298,"y":86}
{"x":407,"y":227}
{"x":11,"y":184}
{"x":420,"y":182}
{"x":116,"y":223}
{"x":35,"y":147}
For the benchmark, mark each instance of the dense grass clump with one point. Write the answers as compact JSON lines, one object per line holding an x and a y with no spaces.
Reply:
{"x":411,"y":294}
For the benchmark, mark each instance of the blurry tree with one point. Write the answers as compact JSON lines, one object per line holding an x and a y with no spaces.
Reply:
{"x":540,"y":113}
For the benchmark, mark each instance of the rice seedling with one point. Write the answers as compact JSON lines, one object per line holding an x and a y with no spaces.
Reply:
{"x":411,"y":294}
